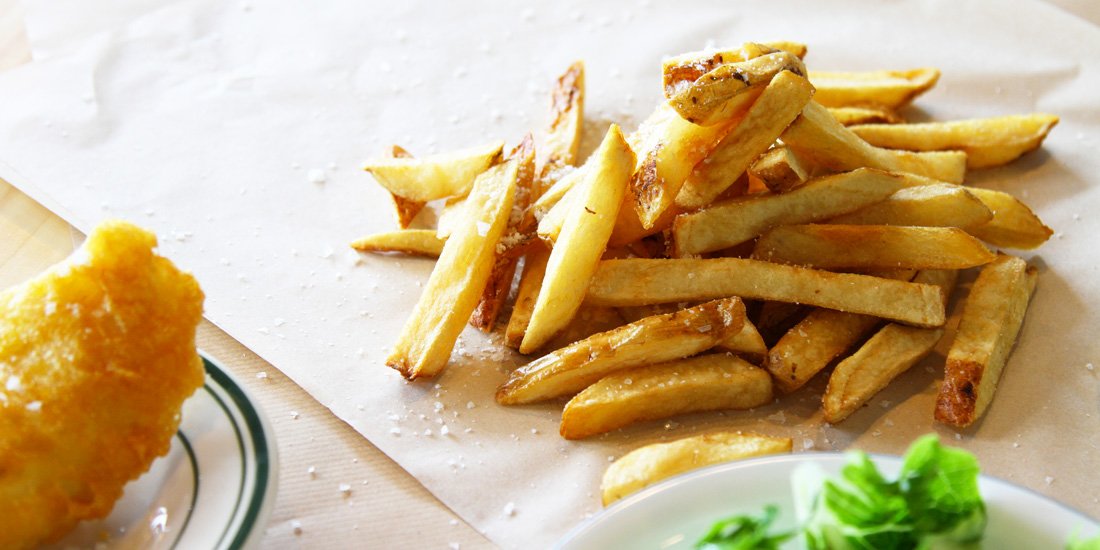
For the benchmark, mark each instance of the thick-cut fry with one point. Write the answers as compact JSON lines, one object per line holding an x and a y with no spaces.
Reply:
{"x":816,"y":137}
{"x":530,"y":282}
{"x":434,"y":177}
{"x":556,"y":193}
{"x":717,"y":381}
{"x":890,"y":352}
{"x":720,"y":94}
{"x":582,"y":240}
{"x":987,"y":141}
{"x":459,"y":277}
{"x":418,"y":242}
{"x":1014,"y":225}
{"x":668,"y":148}
{"x":517,"y":234}
{"x":405,"y":209}
{"x":861,"y":247}
{"x":681,"y":70}
{"x":735,"y":221}
{"x":988,"y":328}
{"x":779,"y":170}
{"x":563,"y":135}
{"x":889,"y":89}
{"x":934,"y":205}
{"x":651,"y":340}
{"x":643,"y":281}
{"x":849,"y":116}
{"x":780,"y":102}
{"x":647,"y":465}
{"x":747,"y":342}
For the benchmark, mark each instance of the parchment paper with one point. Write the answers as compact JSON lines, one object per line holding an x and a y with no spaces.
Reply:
{"x":210,"y":123}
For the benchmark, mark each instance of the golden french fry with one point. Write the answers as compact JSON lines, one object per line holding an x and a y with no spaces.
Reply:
{"x":588,"y":321}
{"x":934,"y":205}
{"x":717,"y":381}
{"x":452,"y":213}
{"x":582,"y":240}
{"x":1014,"y":225}
{"x":779,"y":170}
{"x":563,"y":136}
{"x":647,"y":465}
{"x":554,"y":218}
{"x":861,"y":247}
{"x":459,"y":277}
{"x":887,"y":354}
{"x":682,"y":70}
{"x":637,"y":282}
{"x":418,"y":242}
{"x":723,"y":92}
{"x":747,"y":342}
{"x":817,"y":138}
{"x":849,"y":116}
{"x":990,"y":322}
{"x":987,"y":141}
{"x":740,"y":219}
{"x":651,"y":340}
{"x":530,"y":282}
{"x":405,"y":209}
{"x":436,"y":176}
{"x":516,"y":235}
{"x":889,"y":89}
{"x":780,"y":102}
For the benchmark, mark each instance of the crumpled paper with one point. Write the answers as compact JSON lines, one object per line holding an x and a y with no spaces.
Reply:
{"x":236,"y":132}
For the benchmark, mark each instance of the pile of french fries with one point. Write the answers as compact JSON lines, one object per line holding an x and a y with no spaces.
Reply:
{"x":764,"y":223}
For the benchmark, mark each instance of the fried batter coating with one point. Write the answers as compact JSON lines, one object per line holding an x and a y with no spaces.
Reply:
{"x":97,"y":356}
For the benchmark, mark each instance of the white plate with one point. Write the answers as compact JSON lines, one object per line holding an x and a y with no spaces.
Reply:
{"x":213,"y":490}
{"x":680,"y":510}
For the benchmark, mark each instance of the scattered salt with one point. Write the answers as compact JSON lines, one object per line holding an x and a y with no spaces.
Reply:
{"x":312,"y":472}
{"x":34,"y":406}
{"x":482,"y":228}
{"x":509,"y":509}
{"x":395,"y":431}
{"x":296,"y":526}
{"x":470,"y":404}
{"x":345,"y":489}
{"x":261,"y":375}
{"x":294,"y":415}
{"x":1049,"y":479}
{"x":316,"y":176}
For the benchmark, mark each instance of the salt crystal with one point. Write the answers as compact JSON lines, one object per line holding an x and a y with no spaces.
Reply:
{"x":345,"y":489}
{"x":316,"y":176}
{"x":261,"y":375}
{"x":470,"y":404}
{"x":453,"y":522}
{"x":1090,"y":366}
{"x":885,"y":404}
{"x":534,"y":430}
{"x":444,"y":430}
{"x":14,"y":383}
{"x":395,"y":431}
{"x":454,"y":546}
{"x":312,"y":472}
{"x":294,"y":415}
{"x":428,"y":432}
{"x":34,"y":406}
{"x":438,"y":406}
{"x":279,"y":321}
{"x":1049,"y":479}
{"x":807,"y":443}
{"x":482,"y":228}
{"x":509,"y":509}
{"x":296,"y":526}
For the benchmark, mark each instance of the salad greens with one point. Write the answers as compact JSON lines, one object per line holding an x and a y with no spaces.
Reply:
{"x":744,"y":533}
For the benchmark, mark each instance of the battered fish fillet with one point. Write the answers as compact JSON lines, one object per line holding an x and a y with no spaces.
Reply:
{"x":97,"y":356}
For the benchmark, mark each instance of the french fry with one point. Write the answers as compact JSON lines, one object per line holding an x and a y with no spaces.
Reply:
{"x":1014,"y":225}
{"x":817,"y":138}
{"x":588,"y":321}
{"x":780,"y":102}
{"x":682,"y":70}
{"x":647,"y":465}
{"x":582,"y":240}
{"x":747,"y":342}
{"x":811,"y":344}
{"x":636,"y":282}
{"x":517,"y":233}
{"x":735,"y":221}
{"x":774,"y":319}
{"x":779,"y":170}
{"x":464,"y":266}
{"x":849,"y":116}
{"x":418,"y":242}
{"x":434,"y":177}
{"x":862,"y":247}
{"x":563,"y":136}
{"x":990,"y":323}
{"x":889,"y":89}
{"x":452,"y":213}
{"x":891,"y":351}
{"x":405,"y":209}
{"x":723,"y":92}
{"x":556,"y":193}
{"x":530,"y":282}
{"x":651,"y":340}
{"x":934,"y":205}
{"x":987,"y":141}
{"x":717,"y":381}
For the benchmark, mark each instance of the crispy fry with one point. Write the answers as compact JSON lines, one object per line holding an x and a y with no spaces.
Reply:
{"x":725,"y":91}
{"x":934,"y":205}
{"x":582,"y":240}
{"x":651,"y":340}
{"x":779,"y":170}
{"x":684,"y":69}
{"x":747,"y":342}
{"x":530,"y":282}
{"x":849,"y":116}
{"x":987,"y":141}
{"x":1014,"y":225}
{"x":861,"y":247}
{"x":717,"y":381}
{"x":434,"y":177}
{"x":405,"y":209}
{"x":738,"y":220}
{"x":563,"y":135}
{"x":890,"y":352}
{"x":647,"y":465}
{"x":889,"y":89}
{"x":459,"y":277}
{"x":817,"y":138}
{"x":418,"y":242}
{"x":642,"y":281}
{"x":557,"y":191}
{"x":780,"y":102}
{"x":990,"y":322}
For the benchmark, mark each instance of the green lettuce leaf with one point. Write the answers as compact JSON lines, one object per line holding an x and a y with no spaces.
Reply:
{"x":744,"y":533}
